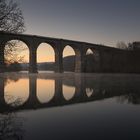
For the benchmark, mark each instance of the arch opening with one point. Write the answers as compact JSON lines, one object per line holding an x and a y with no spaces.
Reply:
{"x":89,"y":52}
{"x":45,"y":58}
{"x":92,"y":61}
{"x":16,"y":56}
{"x":68,"y":59}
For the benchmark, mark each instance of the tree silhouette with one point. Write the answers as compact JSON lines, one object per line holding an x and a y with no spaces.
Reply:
{"x":11,"y":20}
{"x":121,"y":45}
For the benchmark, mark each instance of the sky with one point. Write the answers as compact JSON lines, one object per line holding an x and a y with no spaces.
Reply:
{"x":96,"y":21}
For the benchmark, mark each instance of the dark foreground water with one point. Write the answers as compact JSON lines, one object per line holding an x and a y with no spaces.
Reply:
{"x":69,"y":106}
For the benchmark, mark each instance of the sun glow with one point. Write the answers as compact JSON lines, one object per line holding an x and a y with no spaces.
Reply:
{"x":45,"y":53}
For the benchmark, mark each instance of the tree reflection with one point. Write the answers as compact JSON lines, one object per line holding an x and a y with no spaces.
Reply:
{"x":131,"y":98}
{"x":11,"y":126}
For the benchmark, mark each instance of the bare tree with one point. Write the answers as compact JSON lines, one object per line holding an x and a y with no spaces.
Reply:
{"x":129,"y":46}
{"x":122,"y":45}
{"x":12,"y":51}
{"x":11,"y":20}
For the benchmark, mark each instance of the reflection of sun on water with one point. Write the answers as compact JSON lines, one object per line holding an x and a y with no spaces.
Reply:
{"x":18,"y":90}
{"x":68,"y":92}
{"x":45,"y":90}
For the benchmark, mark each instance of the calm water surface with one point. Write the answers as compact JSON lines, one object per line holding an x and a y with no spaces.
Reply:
{"x":69,"y":106}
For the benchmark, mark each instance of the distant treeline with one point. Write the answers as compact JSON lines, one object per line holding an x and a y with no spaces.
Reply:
{"x":68,"y":65}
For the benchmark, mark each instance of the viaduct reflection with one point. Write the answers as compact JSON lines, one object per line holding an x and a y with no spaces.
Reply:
{"x":86,"y":90}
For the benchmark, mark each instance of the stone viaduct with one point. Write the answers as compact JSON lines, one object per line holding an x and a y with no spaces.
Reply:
{"x":80,"y":49}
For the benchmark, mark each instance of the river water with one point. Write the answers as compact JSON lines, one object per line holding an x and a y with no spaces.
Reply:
{"x":69,"y":106}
